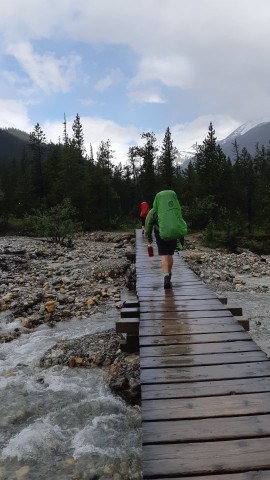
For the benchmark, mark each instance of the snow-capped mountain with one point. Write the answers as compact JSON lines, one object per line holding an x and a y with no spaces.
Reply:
{"x":246,"y":127}
{"x":247,"y":135}
{"x":184,"y":156}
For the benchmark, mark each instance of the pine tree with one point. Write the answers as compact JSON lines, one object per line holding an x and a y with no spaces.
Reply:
{"x":212,"y":168}
{"x":78,"y":136}
{"x":148,"y":153}
{"x":37,"y":141}
{"x":105,"y":195}
{"x":245,"y":181}
{"x":166,"y":164}
{"x":65,"y":135}
{"x":104,"y":156}
{"x":91,"y":154}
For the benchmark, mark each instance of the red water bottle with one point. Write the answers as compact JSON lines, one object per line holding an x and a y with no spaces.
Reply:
{"x":150,"y":251}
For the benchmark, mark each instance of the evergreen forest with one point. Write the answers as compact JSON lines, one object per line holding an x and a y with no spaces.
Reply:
{"x":217,"y":193}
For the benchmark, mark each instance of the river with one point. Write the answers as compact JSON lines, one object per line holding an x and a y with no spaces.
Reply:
{"x":62,"y":423}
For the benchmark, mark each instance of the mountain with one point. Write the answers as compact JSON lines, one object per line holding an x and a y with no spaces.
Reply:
{"x":12,"y":144}
{"x":247,"y":135}
{"x":184,"y":156}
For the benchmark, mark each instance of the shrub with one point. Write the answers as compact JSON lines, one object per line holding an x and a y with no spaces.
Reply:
{"x":58,"y":223}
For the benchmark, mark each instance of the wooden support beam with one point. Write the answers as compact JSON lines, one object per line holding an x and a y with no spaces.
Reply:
{"x":223,"y":300}
{"x":131,"y":304}
{"x":236,"y":311}
{"x":131,"y":255}
{"x":244,"y":322}
{"x":130,"y":312}
{"x":127,"y":325}
{"x":131,"y":344}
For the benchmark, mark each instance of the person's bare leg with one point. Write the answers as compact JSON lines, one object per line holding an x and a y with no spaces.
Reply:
{"x":166,"y":264}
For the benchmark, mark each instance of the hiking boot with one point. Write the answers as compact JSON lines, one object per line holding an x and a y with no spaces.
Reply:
{"x":167,"y":282}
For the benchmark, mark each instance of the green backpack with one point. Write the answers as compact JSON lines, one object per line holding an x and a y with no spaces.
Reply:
{"x":170,"y":221}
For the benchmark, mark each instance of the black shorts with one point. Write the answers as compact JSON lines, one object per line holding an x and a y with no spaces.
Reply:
{"x":143,"y":220}
{"x":165,"y":247}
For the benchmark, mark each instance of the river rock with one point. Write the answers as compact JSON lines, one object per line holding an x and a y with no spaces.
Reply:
{"x":123,"y":378}
{"x":88,"y":351}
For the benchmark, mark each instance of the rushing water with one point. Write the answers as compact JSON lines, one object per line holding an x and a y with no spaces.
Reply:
{"x":63,"y":423}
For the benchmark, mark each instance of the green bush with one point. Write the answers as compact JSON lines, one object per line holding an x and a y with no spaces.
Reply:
{"x":58,"y":223}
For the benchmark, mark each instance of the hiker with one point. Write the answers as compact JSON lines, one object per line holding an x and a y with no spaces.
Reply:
{"x":144,"y":209}
{"x":166,"y":219}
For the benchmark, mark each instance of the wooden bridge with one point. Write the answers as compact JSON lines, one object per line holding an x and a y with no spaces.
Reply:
{"x":205,"y":384}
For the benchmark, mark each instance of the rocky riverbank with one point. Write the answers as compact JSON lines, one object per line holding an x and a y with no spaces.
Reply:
{"x":49,"y":283}
{"x":43,"y":282}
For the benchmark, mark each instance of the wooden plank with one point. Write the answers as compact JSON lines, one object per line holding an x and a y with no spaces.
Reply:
{"x":179,"y":307}
{"x":180,"y":315}
{"x":206,"y":407}
{"x":199,"y":360}
{"x":202,"y":338}
{"x":157,"y":281}
{"x":180,"y":302}
{"x":190,"y":329}
{"x":205,"y":429}
{"x":156,"y":274}
{"x":206,"y":457}
{"x":142,"y":285}
{"x":206,"y":389}
{"x":192,"y":296}
{"x":198,"y":348}
{"x":205,"y":373}
{"x":210,"y":418}
{"x":255,"y":475}
{"x":171,"y":293}
{"x":188,"y":321}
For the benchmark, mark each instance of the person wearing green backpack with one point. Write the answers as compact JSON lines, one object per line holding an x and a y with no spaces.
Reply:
{"x":165,"y":218}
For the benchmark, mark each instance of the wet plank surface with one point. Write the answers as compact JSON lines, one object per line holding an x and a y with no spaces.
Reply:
{"x":206,"y":457}
{"x":205,"y":373}
{"x":187,"y":314}
{"x":195,"y":349}
{"x":189,"y":329}
{"x":206,"y":429}
{"x":199,"y":360}
{"x":196,"y":338}
{"x":255,"y":475}
{"x":206,"y":389}
{"x":205,"y":384}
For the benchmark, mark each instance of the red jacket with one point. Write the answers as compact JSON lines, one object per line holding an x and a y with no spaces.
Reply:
{"x":144,"y":209}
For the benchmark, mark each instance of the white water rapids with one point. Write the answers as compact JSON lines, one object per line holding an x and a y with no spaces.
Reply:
{"x":61,"y":423}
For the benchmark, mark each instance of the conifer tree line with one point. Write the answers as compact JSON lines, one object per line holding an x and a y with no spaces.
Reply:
{"x":213,"y":189}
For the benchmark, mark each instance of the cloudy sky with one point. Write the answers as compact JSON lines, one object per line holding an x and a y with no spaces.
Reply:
{"x":128,"y":67}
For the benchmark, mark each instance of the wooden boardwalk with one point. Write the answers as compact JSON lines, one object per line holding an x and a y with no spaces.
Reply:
{"x":205,"y":383}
